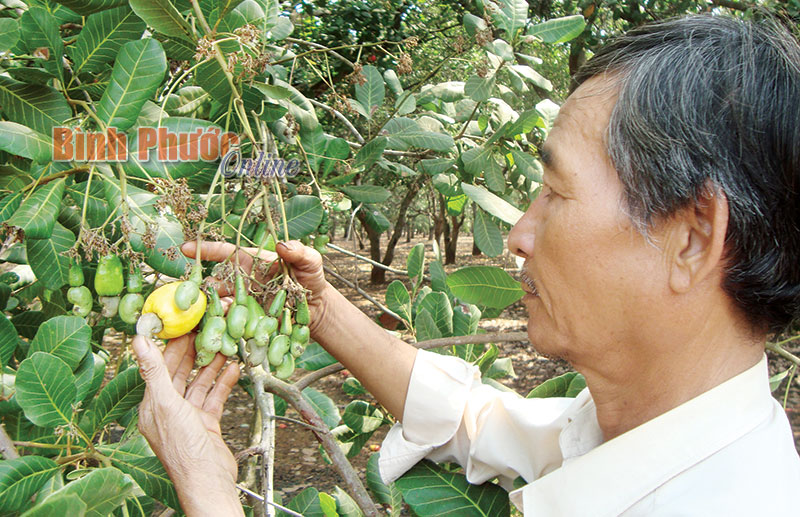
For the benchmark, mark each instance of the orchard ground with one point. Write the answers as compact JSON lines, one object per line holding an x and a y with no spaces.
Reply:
{"x":298,"y":463}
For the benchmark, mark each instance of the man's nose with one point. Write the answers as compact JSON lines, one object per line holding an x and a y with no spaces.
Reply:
{"x":521,"y":237}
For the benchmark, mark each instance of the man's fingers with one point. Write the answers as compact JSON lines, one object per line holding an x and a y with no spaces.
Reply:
{"x":151,"y":365}
{"x":184,"y":370}
{"x":174,"y":352}
{"x":198,"y":389}
{"x":222,"y":388}
{"x":216,"y":251}
{"x":299,"y":256}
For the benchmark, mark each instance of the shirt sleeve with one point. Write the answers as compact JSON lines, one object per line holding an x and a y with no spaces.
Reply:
{"x":450,"y":415}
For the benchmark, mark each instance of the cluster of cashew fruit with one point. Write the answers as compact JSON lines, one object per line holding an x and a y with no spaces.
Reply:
{"x":108,"y":284}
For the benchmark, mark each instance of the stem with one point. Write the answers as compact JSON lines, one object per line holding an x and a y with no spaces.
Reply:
{"x":271,"y":503}
{"x":55,"y":176}
{"x":365,"y":259}
{"x":292,"y":395}
{"x":376,"y":303}
{"x":778,"y":349}
{"x":474,"y":339}
{"x":341,"y":117}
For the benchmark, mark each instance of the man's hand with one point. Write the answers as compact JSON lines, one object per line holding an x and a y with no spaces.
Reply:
{"x":181,"y":423}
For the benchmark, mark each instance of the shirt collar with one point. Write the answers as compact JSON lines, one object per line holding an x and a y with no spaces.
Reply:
{"x":613,"y":476}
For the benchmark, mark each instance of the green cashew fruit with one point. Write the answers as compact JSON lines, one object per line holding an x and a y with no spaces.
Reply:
{"x":266,"y":327}
{"x":108,"y":280}
{"x":254,"y":314}
{"x":135,"y":281}
{"x":204,"y":358}
{"x":276,"y":306}
{"x":285,"y":369}
{"x":277,"y":349}
{"x":81,"y":298}
{"x":286,"y":322}
{"x":130,"y":307}
{"x":229,"y":347}
{"x":75,"y":275}
{"x":300,"y":333}
{"x":320,"y":243}
{"x":302,"y":315}
{"x":255,"y":353}
{"x":297,"y":349}
{"x":186,"y":294}
{"x":237,"y":320}
{"x":110,"y":305}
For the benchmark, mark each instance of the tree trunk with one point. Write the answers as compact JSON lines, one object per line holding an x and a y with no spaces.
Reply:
{"x":440,"y":221}
{"x":451,"y":239}
{"x":409,"y":230}
{"x":374,"y":244}
{"x":333,"y":228}
{"x":475,"y":250}
{"x":378,"y":275}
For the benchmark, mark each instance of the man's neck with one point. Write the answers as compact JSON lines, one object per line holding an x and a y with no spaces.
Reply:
{"x":627,"y":399}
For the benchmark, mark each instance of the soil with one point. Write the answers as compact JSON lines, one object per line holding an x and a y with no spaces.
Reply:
{"x":298,"y":463}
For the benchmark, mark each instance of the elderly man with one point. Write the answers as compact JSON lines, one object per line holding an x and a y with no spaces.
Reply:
{"x":661,"y":253}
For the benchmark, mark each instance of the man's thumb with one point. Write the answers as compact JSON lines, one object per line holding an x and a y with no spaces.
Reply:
{"x":151,"y":363}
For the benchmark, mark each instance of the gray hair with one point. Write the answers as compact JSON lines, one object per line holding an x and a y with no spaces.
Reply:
{"x":714,"y":102}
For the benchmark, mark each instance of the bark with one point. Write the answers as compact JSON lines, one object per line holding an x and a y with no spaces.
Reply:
{"x":374,"y":244}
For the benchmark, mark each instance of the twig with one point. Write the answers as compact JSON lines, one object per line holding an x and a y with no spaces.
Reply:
{"x":7,"y":448}
{"x":292,"y":395}
{"x":271,"y":503}
{"x":340,"y":116}
{"x":319,"y":47}
{"x":475,"y":339}
{"x":778,"y":349}
{"x":365,"y":259}
{"x":295,"y":421}
{"x":376,"y":303}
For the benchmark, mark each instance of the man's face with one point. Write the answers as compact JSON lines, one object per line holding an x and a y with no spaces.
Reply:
{"x":592,"y":280}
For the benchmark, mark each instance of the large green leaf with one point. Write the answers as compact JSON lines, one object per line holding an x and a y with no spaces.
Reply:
{"x":66,"y":337}
{"x":372,"y":92}
{"x":89,"y":376}
{"x":306,"y":503}
{"x":565,"y":385}
{"x":527,"y":165}
{"x":375,"y":219}
{"x":20,"y":478}
{"x":415,"y":262}
{"x":511,"y":16}
{"x":367,"y":193}
{"x":102,"y":38}
{"x":122,"y":393}
{"x":135,"y":458}
{"x":323,"y":405}
{"x":405,"y":132}
{"x":485,"y":285}
{"x":314,"y":358}
{"x":425,"y":327}
{"x":558,"y":30}
{"x":37,"y":214}
{"x":38,"y":107}
{"x":46,"y":390}
{"x":61,"y":504}
{"x":8,"y":340}
{"x":303,"y":215}
{"x":384,"y":494}
{"x":345,"y":505}
{"x":532,"y":76}
{"x":39,"y":30}
{"x":493,"y":204}
{"x":212,"y":79}
{"x":362,"y":417}
{"x":398,"y":300}
{"x":370,"y":153}
{"x":138,"y":71}
{"x":46,"y":258}
{"x":432,"y":491}
{"x":24,"y":141}
{"x":91,"y":6}
{"x":473,"y":24}
{"x":97,"y":209}
{"x":9,"y":204}
{"x":479,"y":88}
{"x":9,"y":33}
{"x":163,"y":17}
{"x":438,"y":305}
{"x":487,"y":235}
{"x":101,"y":490}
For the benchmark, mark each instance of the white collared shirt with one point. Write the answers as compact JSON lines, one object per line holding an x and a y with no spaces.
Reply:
{"x":726,"y":452}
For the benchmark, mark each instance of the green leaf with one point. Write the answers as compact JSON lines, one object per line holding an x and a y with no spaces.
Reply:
{"x":345,"y":505}
{"x":485,"y":285}
{"x":532,"y":76}
{"x":28,"y":322}
{"x":97,"y":209}
{"x":39,"y":107}
{"x":577,"y":385}
{"x":438,"y":305}
{"x":39,"y":29}
{"x":323,"y":405}
{"x":37,"y":215}
{"x":65,"y":337}
{"x":435,"y":166}
{"x":327,"y":505}
{"x":473,"y":24}
{"x":493,"y":176}
{"x":478,"y":159}
{"x":122,"y":393}
{"x":9,"y":204}
{"x":46,"y":258}
{"x":138,"y":71}
{"x":9,"y":33}
{"x":91,"y":6}
{"x":425,"y":326}
{"x":163,"y":17}
{"x":405,"y":132}
{"x":406,"y":104}
{"x":558,"y":30}
{"x":46,"y":390}
{"x":375,"y":219}
{"x":272,"y":91}
{"x":525,"y":123}
{"x":102,"y":37}
{"x":89,"y":376}
{"x":101,"y":490}
{"x":501,"y":368}
{"x":511,"y":16}
{"x":303,"y":215}
{"x":493,"y":204}
{"x":20,"y":478}
{"x":487,"y":235}
{"x":398,"y":300}
{"x":479,"y":88}
{"x":306,"y":503}
{"x":555,"y":387}
{"x":438,"y":277}
{"x":527,"y":165}
{"x":24,"y":141}
{"x":362,"y":417}
{"x":465,"y":319}
{"x":314,"y":358}
{"x":353,"y":387}
{"x":150,"y":475}
{"x":372,"y":92}
{"x":415,"y":262}
{"x":367,"y":193}
{"x":370,"y":153}
{"x":8,"y":340}
{"x":393,"y":82}
{"x":60,"y":504}
{"x":432,"y":491}
{"x":384,"y":494}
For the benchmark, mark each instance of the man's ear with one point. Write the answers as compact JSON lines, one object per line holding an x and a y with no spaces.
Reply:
{"x":699,"y":239}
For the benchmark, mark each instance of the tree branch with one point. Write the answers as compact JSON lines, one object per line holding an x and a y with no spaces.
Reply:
{"x":474,"y":339}
{"x":376,"y":303}
{"x":341,"y":117}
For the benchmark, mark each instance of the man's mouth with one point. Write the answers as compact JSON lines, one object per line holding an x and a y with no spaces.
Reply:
{"x":527,"y":284}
